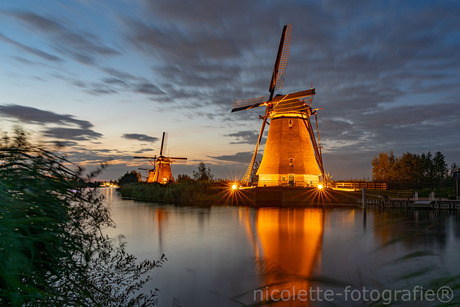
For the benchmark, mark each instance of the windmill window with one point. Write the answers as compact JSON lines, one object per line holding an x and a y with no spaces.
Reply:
{"x":290,"y":123}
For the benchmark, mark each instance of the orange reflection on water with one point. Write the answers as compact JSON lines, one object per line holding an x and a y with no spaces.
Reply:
{"x":290,"y":241}
{"x":161,"y":216}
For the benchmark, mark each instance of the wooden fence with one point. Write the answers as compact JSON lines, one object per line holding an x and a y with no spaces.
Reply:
{"x":360,"y":185}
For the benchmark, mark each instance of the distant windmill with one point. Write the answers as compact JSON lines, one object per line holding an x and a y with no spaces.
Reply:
{"x":150,"y":170}
{"x":161,"y":171}
{"x":292,"y":156}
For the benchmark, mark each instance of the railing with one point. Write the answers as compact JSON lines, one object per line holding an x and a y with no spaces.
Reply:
{"x":278,"y":183}
{"x":360,"y":185}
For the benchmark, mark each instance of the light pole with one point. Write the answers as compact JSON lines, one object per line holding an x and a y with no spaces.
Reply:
{"x":457,"y":185}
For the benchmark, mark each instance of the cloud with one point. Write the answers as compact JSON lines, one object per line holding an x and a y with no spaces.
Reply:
{"x":82,"y":46}
{"x":72,"y":134}
{"x":409,"y":127}
{"x":386,"y":74}
{"x":44,"y":118}
{"x":148,"y":88}
{"x":143,"y":150}
{"x":238,"y":157}
{"x":65,"y":143}
{"x":117,"y":81}
{"x":139,"y":137}
{"x":41,"y":117}
{"x":348,"y":165}
{"x":31,"y":50}
{"x":244,"y":137}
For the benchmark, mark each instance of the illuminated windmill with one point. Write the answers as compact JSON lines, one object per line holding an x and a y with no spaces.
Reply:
{"x":150,"y":170}
{"x":292,"y":156}
{"x":161,"y":171}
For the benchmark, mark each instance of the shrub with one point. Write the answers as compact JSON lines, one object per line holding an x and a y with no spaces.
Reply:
{"x":52,"y":250}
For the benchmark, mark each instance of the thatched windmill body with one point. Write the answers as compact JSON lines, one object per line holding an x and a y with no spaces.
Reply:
{"x":161,"y":171}
{"x":292,"y":155}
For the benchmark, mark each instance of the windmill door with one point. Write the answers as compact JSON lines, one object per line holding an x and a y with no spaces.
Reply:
{"x":291,"y":180}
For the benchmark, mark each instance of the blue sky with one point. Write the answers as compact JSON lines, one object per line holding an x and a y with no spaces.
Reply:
{"x":106,"y":78}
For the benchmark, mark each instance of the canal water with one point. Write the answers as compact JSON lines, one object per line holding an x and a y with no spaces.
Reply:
{"x":236,"y":256}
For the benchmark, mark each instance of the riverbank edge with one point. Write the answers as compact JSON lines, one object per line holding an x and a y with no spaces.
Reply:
{"x":211,"y":194}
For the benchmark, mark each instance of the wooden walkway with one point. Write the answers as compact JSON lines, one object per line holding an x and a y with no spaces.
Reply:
{"x":411,"y":204}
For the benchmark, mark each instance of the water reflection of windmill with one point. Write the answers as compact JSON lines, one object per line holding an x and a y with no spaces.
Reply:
{"x":161,"y":171}
{"x":287,"y":246}
{"x":292,"y":156}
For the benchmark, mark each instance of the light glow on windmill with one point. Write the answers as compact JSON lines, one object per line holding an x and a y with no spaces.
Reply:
{"x":320,"y":186}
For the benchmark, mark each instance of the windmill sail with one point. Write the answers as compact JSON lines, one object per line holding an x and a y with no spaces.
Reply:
{"x":247,"y":174}
{"x":246,"y":104}
{"x":279,"y":71}
{"x":292,"y":103}
{"x":162,"y":143}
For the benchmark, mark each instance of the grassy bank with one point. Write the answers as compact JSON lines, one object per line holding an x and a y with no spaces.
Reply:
{"x":207,"y":193}
{"x":182,"y":193}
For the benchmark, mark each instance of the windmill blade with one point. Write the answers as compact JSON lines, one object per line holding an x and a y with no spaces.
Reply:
{"x":162,"y":143}
{"x":165,"y":146}
{"x":317,"y":133}
{"x":247,"y":175}
{"x":316,"y":148}
{"x":279,"y":71}
{"x":176,"y":158}
{"x":293,"y":96}
{"x":292,"y":103}
{"x":246,"y":104}
{"x":145,"y":158}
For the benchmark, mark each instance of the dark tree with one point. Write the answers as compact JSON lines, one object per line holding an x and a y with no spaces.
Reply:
{"x":202,"y":173}
{"x":382,"y":167}
{"x":410,"y":170}
{"x":440,"y":171}
{"x":183,"y":178}
{"x":407,"y":169}
{"x":129,"y":177}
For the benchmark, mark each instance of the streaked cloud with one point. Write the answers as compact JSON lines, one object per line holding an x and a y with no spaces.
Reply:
{"x":30,"y":50}
{"x":139,"y":137}
{"x":36,"y":116}
{"x":71,"y":134}
{"x":244,"y":137}
{"x":82,"y":46}
{"x":386,"y":74}
{"x":244,"y":157}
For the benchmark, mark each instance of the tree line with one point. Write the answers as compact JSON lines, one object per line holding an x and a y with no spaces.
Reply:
{"x":412,"y":170}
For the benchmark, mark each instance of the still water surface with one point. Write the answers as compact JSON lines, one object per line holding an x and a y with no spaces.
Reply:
{"x":218,"y":255}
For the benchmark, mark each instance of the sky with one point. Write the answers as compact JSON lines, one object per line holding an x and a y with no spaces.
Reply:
{"x":107,"y":78}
